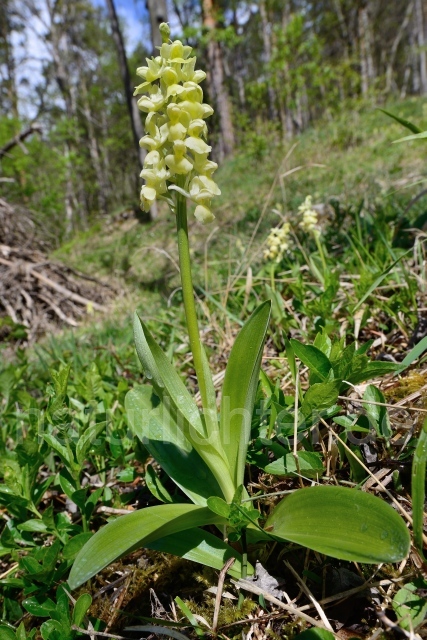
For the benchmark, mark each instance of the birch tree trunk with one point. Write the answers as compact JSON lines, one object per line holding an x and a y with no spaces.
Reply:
{"x":395,"y":45}
{"x":158,"y":14}
{"x":135,"y":119}
{"x":134,"y":115}
{"x":367,"y":69}
{"x":421,"y":41}
{"x":266,"y":38}
{"x":8,"y":59}
{"x":217,"y":87}
{"x":94,"y":151}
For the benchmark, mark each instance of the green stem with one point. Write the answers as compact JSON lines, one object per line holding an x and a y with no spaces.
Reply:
{"x":244,"y":567}
{"x":188,"y":295}
{"x":322,"y":258}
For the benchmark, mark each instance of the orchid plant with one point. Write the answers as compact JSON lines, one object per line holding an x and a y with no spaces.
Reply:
{"x":202,"y":450}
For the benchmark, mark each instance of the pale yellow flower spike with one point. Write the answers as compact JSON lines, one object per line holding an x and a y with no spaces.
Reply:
{"x":309,"y":220}
{"x":277,"y":243}
{"x":175,"y":128}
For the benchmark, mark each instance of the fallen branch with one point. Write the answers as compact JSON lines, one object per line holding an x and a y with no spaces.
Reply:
{"x":25,"y":133}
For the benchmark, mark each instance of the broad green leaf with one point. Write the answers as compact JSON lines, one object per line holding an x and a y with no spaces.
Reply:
{"x":163,"y":375}
{"x":169,"y":447}
{"x":181,"y":406}
{"x":239,"y":390}
{"x":409,"y":607}
{"x":418,"y":488}
{"x":313,"y":358}
{"x":309,"y":463}
{"x":203,"y":547}
{"x":134,"y":531}
{"x":378,"y":414}
{"x":342,"y":523}
{"x":405,"y":123}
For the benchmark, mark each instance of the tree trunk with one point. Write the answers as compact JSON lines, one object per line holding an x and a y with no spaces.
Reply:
{"x":158,"y":14}
{"x":134,"y":115}
{"x":137,"y":129}
{"x":9,"y":62}
{"x":217,"y":87}
{"x":395,"y":45}
{"x":421,"y":41}
{"x":94,"y":151}
{"x":367,"y":69}
{"x":266,"y":38}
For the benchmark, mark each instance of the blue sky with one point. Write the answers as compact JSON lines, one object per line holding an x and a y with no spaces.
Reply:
{"x":134,"y":18}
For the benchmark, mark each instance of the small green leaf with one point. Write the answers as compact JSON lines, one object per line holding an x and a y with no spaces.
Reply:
{"x":219,"y":506}
{"x":342,"y":523}
{"x":409,"y":607}
{"x":313,"y":358}
{"x":39,"y":607}
{"x":36,"y":526}
{"x":74,"y":545}
{"x":378,"y":414}
{"x":320,"y":396}
{"x":87,"y":440}
{"x":6,"y":633}
{"x":309,"y":463}
{"x":81,"y":608}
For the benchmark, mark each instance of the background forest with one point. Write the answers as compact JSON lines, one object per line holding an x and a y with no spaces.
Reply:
{"x":275,"y":67}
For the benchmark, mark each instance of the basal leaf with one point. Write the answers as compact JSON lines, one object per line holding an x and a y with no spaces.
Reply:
{"x":203,"y":547}
{"x":169,"y":447}
{"x":342,"y":523}
{"x":134,"y":531}
{"x":239,"y":390}
{"x":418,"y":488}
